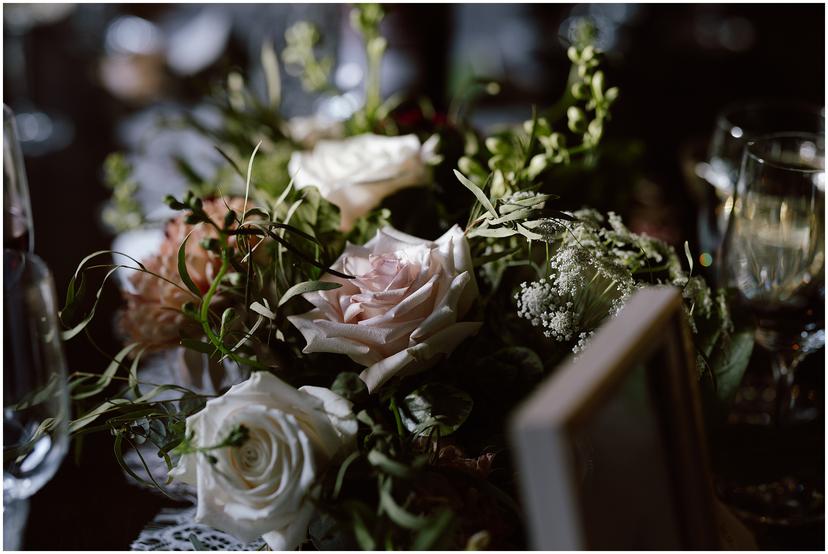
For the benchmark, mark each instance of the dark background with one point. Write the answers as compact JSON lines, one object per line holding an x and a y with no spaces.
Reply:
{"x":676,"y":66}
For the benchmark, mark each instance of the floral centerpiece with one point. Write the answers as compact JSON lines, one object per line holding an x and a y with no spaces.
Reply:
{"x":385,"y":292}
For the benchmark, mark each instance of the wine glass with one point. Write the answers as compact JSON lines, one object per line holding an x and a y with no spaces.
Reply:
{"x":735,"y":126}
{"x":18,"y":230}
{"x":35,"y":397}
{"x":774,"y":252}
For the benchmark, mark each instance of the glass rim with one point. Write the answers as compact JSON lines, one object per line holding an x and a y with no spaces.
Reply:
{"x":751,"y":145}
{"x":724,"y":118}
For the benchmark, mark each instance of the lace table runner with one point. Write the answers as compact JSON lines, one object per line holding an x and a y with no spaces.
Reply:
{"x":172,"y":528}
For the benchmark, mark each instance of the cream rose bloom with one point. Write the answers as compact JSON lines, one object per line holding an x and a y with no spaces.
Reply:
{"x":403,"y":308}
{"x":356,"y":173}
{"x":261,"y":488}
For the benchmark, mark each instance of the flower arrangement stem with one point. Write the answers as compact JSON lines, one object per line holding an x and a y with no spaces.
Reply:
{"x":205,"y":311}
{"x":397,"y":418}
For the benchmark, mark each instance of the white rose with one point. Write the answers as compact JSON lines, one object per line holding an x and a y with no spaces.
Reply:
{"x":402,"y":309}
{"x":356,"y":173}
{"x":261,"y":488}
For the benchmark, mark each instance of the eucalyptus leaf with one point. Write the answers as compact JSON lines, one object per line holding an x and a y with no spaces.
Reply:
{"x":436,"y":405}
{"x":306,"y":287}
{"x":107,"y":375}
{"x":389,"y":466}
{"x":500,"y":233}
{"x":398,"y":514}
{"x":199,"y":346}
{"x":729,"y":362}
{"x":478,"y":193}
{"x":516,"y":215}
{"x":531,"y":235}
{"x":349,"y":386}
{"x":361,"y":516}
{"x":182,"y":267}
{"x":71,"y":333}
{"x":262,"y":310}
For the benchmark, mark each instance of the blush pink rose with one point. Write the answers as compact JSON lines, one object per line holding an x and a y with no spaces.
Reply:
{"x":403,"y":309}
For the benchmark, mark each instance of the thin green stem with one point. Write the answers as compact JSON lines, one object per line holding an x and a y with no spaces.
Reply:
{"x":397,"y":418}
{"x":205,"y":310}
{"x":372,"y":93}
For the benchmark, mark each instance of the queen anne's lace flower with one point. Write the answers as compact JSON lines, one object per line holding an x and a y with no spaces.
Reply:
{"x":594,"y":270}
{"x":581,"y":290}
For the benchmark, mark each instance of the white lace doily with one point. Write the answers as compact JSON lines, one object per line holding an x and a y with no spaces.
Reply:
{"x":172,"y":528}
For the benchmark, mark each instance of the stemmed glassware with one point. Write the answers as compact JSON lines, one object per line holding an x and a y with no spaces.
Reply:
{"x":18,"y":230}
{"x":774,"y":262}
{"x":735,"y":126}
{"x":774,"y":252}
{"x":35,"y":397}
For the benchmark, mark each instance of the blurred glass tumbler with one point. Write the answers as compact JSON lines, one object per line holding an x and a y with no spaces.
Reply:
{"x":18,"y":230}
{"x":736,"y":125}
{"x":35,"y":397}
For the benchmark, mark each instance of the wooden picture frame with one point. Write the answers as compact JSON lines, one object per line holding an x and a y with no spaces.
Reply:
{"x":610,"y":449}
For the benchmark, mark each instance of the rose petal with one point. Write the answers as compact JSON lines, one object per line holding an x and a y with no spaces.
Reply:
{"x":420,"y":357}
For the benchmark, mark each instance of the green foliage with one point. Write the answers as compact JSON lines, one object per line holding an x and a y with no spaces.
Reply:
{"x":729,"y":361}
{"x":348,"y":385}
{"x":300,"y":58}
{"x":123,"y":212}
{"x":306,"y":287}
{"x":366,"y":19}
{"x":436,"y":406}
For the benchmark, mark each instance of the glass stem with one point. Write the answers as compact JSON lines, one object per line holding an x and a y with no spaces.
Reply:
{"x":15,"y":514}
{"x":783,"y":365}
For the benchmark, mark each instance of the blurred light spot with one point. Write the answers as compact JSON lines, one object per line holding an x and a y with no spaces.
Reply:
{"x":606,"y":31}
{"x":199,"y":42}
{"x":22,"y":17}
{"x":808,"y":151}
{"x":340,"y":107}
{"x":736,"y":132}
{"x":705,"y":259}
{"x":819,"y":181}
{"x":493,"y":88}
{"x":705,"y":31}
{"x":617,"y":13}
{"x":132,"y":35}
{"x":737,"y":34}
{"x":41,"y":132}
{"x":348,"y":75}
{"x":34,"y":127}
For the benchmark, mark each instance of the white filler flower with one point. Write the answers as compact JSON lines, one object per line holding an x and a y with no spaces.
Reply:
{"x":262,"y":488}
